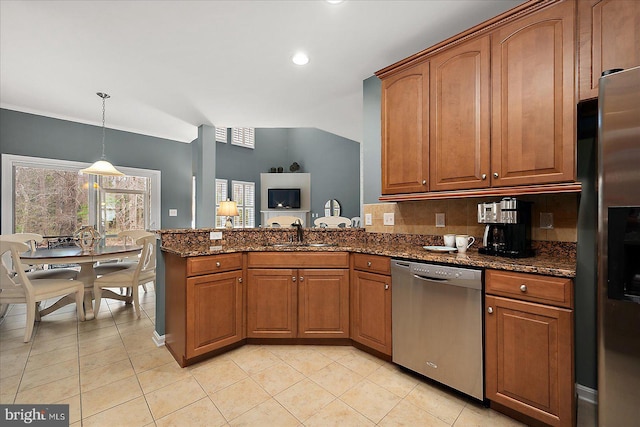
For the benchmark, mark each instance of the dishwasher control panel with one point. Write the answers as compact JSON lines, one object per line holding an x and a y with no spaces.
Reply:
{"x":444,"y":272}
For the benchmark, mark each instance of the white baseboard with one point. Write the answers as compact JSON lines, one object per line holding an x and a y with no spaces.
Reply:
{"x":585,"y":393}
{"x":158,"y":339}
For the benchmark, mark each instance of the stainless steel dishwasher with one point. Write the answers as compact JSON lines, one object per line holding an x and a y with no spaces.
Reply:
{"x":437,"y":323}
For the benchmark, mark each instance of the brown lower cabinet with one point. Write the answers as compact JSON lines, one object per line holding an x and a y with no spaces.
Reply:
{"x":529,"y":346}
{"x":298,"y":302}
{"x":205,"y":304}
{"x":371,"y":302}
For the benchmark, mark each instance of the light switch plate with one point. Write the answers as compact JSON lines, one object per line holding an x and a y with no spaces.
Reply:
{"x":368,"y":219}
{"x":440,"y":220}
{"x":389,"y":218}
{"x":215,"y":235}
{"x":173,"y":212}
{"x":546,"y":220}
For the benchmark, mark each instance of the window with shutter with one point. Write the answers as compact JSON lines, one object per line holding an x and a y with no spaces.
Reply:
{"x":243,"y":193}
{"x":221,"y":196}
{"x":244,"y":137}
{"x":221,"y":134}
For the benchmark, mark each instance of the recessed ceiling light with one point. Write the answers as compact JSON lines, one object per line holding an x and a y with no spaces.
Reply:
{"x":300,"y":59}
{"x":334,"y":1}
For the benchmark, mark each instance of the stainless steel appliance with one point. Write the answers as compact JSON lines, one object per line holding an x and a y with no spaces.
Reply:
{"x":508,"y":230}
{"x":619,"y":249}
{"x":438,"y":323}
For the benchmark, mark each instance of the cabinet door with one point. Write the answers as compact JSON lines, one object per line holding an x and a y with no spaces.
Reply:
{"x":272,"y":303}
{"x":609,"y":32}
{"x":533,"y":91}
{"x":214,"y":312}
{"x":460,"y":119}
{"x":371,"y":310}
{"x":529,"y":359}
{"x":405,"y":131}
{"x":323,"y":303}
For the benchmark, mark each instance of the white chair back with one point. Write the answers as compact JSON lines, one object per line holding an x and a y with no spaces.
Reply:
{"x":31,"y":239}
{"x":11,"y":280}
{"x":147,"y":263}
{"x":356,"y":221}
{"x":133,"y":235}
{"x":332,"y":222}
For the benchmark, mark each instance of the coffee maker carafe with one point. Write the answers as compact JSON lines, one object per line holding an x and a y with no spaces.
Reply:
{"x":508,"y":229}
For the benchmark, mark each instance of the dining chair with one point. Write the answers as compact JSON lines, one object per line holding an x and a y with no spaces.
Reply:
{"x":32,"y":240}
{"x":143,"y":271}
{"x":123,"y":263}
{"x":283,"y":221}
{"x":17,"y":288}
{"x":332,"y":222}
{"x":356,"y":221}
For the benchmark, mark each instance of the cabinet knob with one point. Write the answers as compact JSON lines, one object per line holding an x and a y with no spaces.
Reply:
{"x":218,"y":264}
{"x":484,"y":176}
{"x":495,"y":174}
{"x":293,"y":278}
{"x":301,"y":278}
{"x":239,"y":279}
{"x":386,"y":286}
{"x":523,"y":288}
{"x":368,"y":263}
{"x":424,"y":182}
{"x":490,"y":310}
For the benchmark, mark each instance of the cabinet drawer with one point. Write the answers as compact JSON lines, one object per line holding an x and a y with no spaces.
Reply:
{"x":213,"y":264}
{"x":372,"y":263}
{"x":530,"y":287}
{"x":298,"y":260}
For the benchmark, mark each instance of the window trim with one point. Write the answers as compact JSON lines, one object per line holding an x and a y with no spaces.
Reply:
{"x":9,"y":161}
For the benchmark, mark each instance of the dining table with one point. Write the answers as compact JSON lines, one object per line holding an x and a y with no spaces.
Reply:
{"x":85,"y":258}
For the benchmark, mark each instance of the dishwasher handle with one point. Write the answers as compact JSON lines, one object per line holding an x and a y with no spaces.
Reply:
{"x":431,"y":279}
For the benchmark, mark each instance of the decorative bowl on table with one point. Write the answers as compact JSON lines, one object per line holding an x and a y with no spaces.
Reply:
{"x":87,"y":237}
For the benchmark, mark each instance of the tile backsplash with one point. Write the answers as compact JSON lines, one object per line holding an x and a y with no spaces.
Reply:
{"x":419,"y":217}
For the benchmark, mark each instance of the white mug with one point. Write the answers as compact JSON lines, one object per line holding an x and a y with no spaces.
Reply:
{"x":450,"y":240}
{"x":463,"y":242}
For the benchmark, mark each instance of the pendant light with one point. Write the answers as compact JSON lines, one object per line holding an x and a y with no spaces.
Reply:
{"x":102,"y":166}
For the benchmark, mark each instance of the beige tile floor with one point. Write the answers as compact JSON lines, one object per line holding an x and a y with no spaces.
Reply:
{"x":111,"y":373}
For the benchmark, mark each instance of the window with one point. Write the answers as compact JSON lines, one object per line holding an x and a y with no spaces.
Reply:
{"x":221,"y":134}
{"x":222,"y":194}
{"x":244,"y":193}
{"x":244,"y":137}
{"x":51,"y":198}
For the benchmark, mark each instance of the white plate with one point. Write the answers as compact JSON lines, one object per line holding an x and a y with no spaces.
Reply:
{"x":440,"y":248}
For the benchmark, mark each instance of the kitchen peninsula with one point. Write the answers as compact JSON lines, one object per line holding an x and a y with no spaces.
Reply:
{"x":255,"y":286}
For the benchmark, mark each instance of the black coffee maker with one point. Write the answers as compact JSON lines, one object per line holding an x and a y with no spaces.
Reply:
{"x":508,"y":230}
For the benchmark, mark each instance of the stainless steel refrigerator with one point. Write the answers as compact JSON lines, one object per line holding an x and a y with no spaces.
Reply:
{"x":619,"y":249}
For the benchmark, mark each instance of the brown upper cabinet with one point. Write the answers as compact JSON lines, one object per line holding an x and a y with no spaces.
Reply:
{"x":405,"y":130}
{"x":492,"y":107}
{"x":533,"y":113}
{"x":460,"y":119}
{"x":609,"y":32}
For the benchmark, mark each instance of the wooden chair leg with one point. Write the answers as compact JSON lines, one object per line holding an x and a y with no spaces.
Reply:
{"x":136,"y":301}
{"x":79,"y":304}
{"x":97,"y":295}
{"x":31,"y":319}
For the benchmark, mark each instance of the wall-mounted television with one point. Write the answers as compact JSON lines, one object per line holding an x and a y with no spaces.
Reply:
{"x":283,"y":198}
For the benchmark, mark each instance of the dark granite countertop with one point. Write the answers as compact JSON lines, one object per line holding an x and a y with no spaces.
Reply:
{"x":558,"y":265}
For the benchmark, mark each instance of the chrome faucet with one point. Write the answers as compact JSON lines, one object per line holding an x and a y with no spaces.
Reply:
{"x":298,"y":225}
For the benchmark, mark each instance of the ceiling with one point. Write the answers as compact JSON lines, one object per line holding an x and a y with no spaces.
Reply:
{"x":171,"y":66}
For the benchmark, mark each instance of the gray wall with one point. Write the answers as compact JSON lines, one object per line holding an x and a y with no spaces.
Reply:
{"x":371,"y":141}
{"x":332,"y":161}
